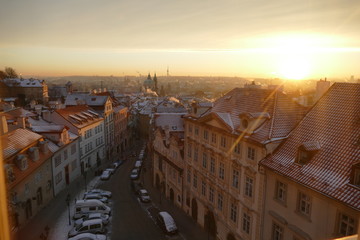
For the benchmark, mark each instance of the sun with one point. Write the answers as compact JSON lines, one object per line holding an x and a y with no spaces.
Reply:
{"x":294,"y":67}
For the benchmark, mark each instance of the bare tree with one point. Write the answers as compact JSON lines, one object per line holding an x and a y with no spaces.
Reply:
{"x":11,"y":73}
{"x":2,"y":75}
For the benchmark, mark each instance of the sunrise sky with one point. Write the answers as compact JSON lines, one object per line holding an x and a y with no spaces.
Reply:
{"x":250,"y":38}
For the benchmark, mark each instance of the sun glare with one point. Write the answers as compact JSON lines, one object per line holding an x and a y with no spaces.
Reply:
{"x":294,"y":54}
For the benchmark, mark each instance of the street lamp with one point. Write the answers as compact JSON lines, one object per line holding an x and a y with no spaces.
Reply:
{"x":68,"y":205}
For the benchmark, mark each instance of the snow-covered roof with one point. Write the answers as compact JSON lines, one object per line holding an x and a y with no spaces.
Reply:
{"x":21,"y":82}
{"x":174,"y":121}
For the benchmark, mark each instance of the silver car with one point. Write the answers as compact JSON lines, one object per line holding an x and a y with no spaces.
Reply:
{"x":88,"y":196}
{"x":103,"y":193}
{"x":90,"y":216}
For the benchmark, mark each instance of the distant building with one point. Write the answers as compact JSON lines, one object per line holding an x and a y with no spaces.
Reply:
{"x":321,"y":87}
{"x":313,"y":180}
{"x":26,"y":89}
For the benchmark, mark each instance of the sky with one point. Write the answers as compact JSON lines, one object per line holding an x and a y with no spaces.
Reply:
{"x":250,"y":38}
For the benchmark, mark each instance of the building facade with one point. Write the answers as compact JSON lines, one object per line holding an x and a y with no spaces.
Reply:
{"x":27,"y":163}
{"x":89,"y":126}
{"x":168,"y":164}
{"x":224,"y":189}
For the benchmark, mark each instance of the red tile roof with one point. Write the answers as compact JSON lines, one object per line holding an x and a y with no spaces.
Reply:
{"x":280,"y":112}
{"x":79,"y":116}
{"x":334,"y":125}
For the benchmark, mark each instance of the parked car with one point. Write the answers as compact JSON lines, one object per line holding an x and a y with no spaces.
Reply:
{"x":111,"y":170}
{"x":88,"y":236}
{"x":167,"y":223}
{"x":144,"y":195}
{"x":103,"y":193}
{"x":88,"y":196}
{"x":90,"y":216}
{"x":117,"y":164}
{"x":90,"y":226}
{"x":134,"y":174}
{"x":138,"y":164}
{"x":105,"y":175}
{"x":84,"y":207}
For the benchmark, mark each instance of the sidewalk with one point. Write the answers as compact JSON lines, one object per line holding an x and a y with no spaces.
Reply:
{"x":55,"y":214}
{"x":184,"y":221}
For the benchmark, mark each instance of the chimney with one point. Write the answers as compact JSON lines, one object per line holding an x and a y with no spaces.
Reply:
{"x":46,"y":115}
{"x":44,"y":146}
{"x":34,"y":153}
{"x":21,"y":122}
{"x":3,"y":125}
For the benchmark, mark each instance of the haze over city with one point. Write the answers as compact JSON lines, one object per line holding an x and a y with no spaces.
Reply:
{"x":272,"y":39}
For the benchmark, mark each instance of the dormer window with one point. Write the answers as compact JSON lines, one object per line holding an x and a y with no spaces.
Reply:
{"x":306,"y":151}
{"x":355,"y":175}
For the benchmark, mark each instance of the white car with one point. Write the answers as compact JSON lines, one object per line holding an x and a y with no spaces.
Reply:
{"x":102,"y":216}
{"x":88,"y":196}
{"x":105,"y":175}
{"x":134,"y":174}
{"x":111,"y":170}
{"x":89,"y":236}
{"x":144,"y":196}
{"x":167,"y":223}
{"x":103,"y":193}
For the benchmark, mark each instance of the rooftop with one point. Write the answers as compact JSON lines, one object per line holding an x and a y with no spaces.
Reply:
{"x":331,"y":130}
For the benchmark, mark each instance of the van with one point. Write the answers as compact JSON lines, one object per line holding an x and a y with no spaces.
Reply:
{"x":95,"y":226}
{"x":84,"y":207}
{"x":138,"y":164}
{"x":167,"y":223}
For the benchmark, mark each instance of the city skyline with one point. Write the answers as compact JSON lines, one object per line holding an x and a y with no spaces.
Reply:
{"x":302,"y":39}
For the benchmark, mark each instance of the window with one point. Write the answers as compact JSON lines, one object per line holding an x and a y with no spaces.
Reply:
{"x":213,"y":137}
{"x":304,"y":204}
{"x":195,"y":181}
{"x":58,"y":177}
{"x":73,"y":165}
{"x":251,"y":153}
{"x":249,"y":186}
{"x":196,"y":153}
{"x":220,"y":202}
{"x":221,"y":171}
{"x":196,"y":131}
{"x":277,"y":232}
{"x":203,"y":188}
{"x":73,"y":149}
{"x":189,"y":150}
{"x":280,"y":193}
{"x":65,"y":154}
{"x":190,"y":128}
{"x":212,"y":165}
{"x":204,"y":163}
{"x":233,"y":212}
{"x":235,"y":179}
{"x":206,"y":135}
{"x":246,"y":222}
{"x":57,"y":160}
{"x":223,"y":141}
{"x":189,"y":175}
{"x":347,"y":225}
{"x":211,"y":194}
{"x":237,"y":148}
